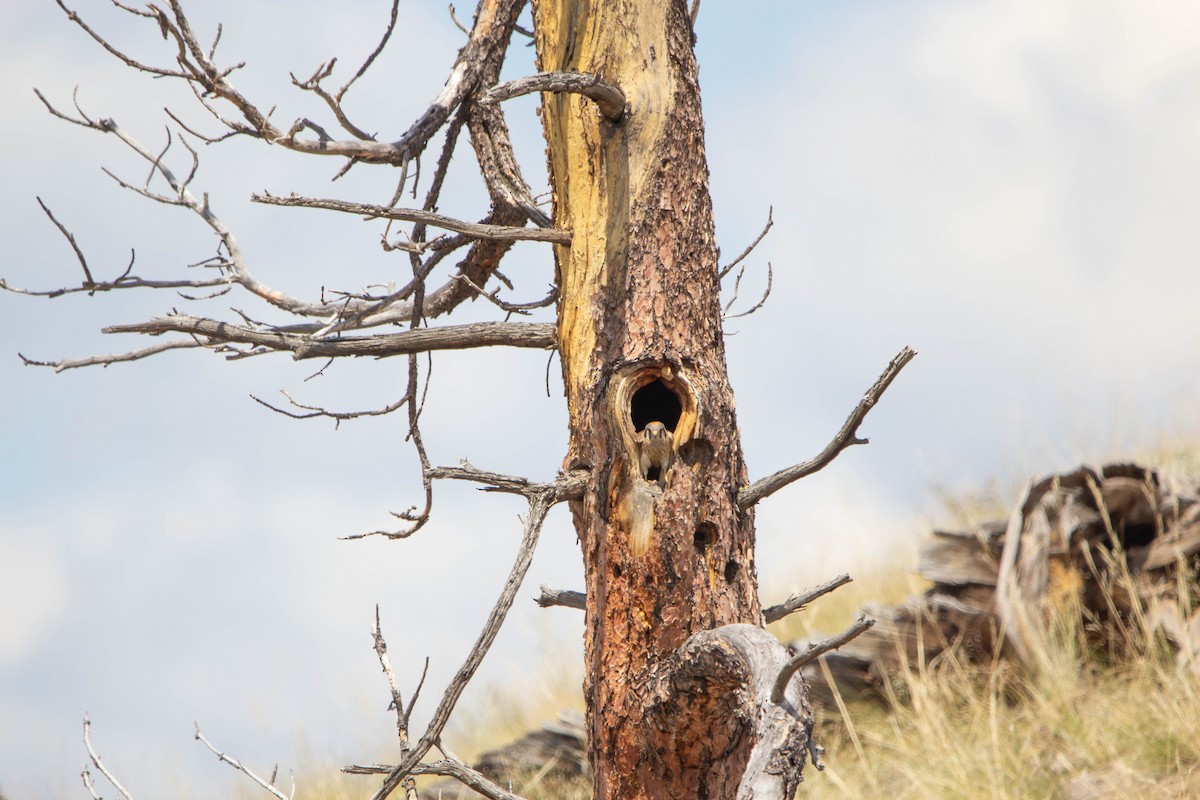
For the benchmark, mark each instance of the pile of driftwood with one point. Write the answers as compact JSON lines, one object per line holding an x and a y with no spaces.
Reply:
{"x":1113,"y":552}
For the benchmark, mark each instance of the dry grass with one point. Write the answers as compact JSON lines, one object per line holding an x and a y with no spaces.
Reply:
{"x":1088,"y":725}
{"x":971,"y":731}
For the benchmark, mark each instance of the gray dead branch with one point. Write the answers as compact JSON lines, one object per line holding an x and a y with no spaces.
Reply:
{"x":553,"y":755}
{"x":1114,"y":552}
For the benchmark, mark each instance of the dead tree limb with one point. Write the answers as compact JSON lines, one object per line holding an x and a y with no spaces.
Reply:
{"x":446,"y":767}
{"x":847,"y":436}
{"x":815,"y":651}
{"x":421,"y":340}
{"x":561,"y":597}
{"x":471,"y":229}
{"x":608,"y":98}
{"x":798,"y":601}
{"x":265,"y":783}
{"x":95,"y":759}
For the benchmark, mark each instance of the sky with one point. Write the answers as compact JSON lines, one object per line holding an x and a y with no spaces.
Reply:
{"x":1010,"y":187}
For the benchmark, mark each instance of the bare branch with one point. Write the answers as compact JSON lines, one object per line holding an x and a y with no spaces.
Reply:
{"x":414,"y":433}
{"x":71,"y":15}
{"x":487,"y":44}
{"x":798,"y":601}
{"x":513,"y":308}
{"x":815,"y":651}
{"x":480,"y":262}
{"x":561,"y":597}
{"x":88,"y":282}
{"x":235,"y":264}
{"x":240,"y":767}
{"x":387,"y":35}
{"x":125,"y":282}
{"x":539,"y":505}
{"x":386,"y":663}
{"x":608,"y":98}
{"x":761,"y":301}
{"x":334,"y":101}
{"x":336,"y":416}
{"x":449,"y":337}
{"x":95,"y":759}
{"x":447,"y":767}
{"x":90,"y":361}
{"x":473,"y":229}
{"x":568,"y":486}
{"x":846,"y":437}
{"x":457,"y":24}
{"x":498,"y":161}
{"x":770,"y":223}
{"x":572,"y":599}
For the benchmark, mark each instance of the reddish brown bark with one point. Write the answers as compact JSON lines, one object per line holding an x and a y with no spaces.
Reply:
{"x":639,"y":307}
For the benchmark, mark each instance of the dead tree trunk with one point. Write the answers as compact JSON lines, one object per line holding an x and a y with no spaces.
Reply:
{"x":667,"y":550}
{"x":688,"y":695}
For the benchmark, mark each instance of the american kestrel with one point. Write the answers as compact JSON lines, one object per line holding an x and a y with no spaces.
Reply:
{"x":654,"y":450}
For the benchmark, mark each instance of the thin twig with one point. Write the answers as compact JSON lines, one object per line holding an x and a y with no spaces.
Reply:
{"x":318,"y":411}
{"x":568,"y":486}
{"x":95,"y":759}
{"x":89,"y":282}
{"x":512,"y":308}
{"x":798,"y":601}
{"x":397,"y":700}
{"x":761,"y":301}
{"x":846,"y":437}
{"x":770,"y":222}
{"x":447,"y":767}
{"x":126,"y":282}
{"x":815,"y":651}
{"x":242,"y":768}
{"x":90,"y":361}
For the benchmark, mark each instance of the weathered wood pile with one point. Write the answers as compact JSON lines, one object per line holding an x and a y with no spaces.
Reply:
{"x":1113,"y":551}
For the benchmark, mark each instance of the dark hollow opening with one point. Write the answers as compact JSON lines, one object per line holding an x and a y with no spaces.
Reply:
{"x":654,"y":402}
{"x":731,"y":570}
{"x":705,"y":536}
{"x":1136,"y":535}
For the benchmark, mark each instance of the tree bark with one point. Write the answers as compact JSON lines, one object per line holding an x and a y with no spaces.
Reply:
{"x":670,"y":554}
